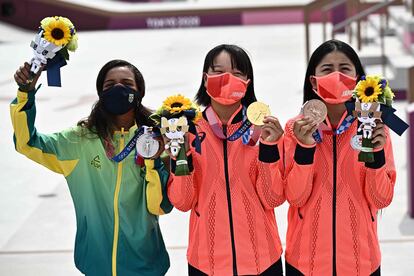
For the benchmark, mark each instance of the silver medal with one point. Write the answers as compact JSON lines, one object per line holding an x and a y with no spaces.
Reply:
{"x":356,"y":142}
{"x":147,"y":146}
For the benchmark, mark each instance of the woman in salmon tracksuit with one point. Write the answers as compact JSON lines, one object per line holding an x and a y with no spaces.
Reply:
{"x":334,"y":199}
{"x":233,"y":187}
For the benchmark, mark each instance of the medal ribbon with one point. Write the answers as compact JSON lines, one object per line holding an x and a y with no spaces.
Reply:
{"x":53,"y":70}
{"x":393,"y":121}
{"x":130,"y":146}
{"x":242,"y":131}
{"x":317,"y":136}
{"x":346,"y":123}
{"x":255,"y":136}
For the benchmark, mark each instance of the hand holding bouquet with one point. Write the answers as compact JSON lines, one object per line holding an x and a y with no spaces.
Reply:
{"x":55,"y":37}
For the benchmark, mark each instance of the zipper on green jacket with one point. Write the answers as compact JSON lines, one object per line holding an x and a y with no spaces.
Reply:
{"x":116,"y":208}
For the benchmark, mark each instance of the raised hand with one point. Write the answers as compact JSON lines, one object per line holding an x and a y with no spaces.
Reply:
{"x":378,"y":136}
{"x":271,"y":130}
{"x":303,"y":129}
{"x":25,"y":79}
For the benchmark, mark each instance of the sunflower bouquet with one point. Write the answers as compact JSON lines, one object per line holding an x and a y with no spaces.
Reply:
{"x":370,"y":93}
{"x":177,"y":116}
{"x":55,"y":38}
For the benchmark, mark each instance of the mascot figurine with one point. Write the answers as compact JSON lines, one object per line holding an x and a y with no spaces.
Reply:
{"x":373,"y":104}
{"x":175,"y":118}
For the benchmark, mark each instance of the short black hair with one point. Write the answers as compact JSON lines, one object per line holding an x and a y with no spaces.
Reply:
{"x":324,"y":49}
{"x":240,"y":60}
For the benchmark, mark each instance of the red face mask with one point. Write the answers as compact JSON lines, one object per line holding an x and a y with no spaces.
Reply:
{"x":226,"y":89}
{"x":335,"y":88}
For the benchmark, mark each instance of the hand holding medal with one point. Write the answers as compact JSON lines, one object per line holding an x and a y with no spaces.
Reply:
{"x":144,"y":142}
{"x":315,"y":110}
{"x":259,"y":115}
{"x":306,"y":128}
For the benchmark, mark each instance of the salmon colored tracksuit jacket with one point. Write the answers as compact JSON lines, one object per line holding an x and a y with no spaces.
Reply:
{"x":334,"y":200}
{"x":231,"y":192}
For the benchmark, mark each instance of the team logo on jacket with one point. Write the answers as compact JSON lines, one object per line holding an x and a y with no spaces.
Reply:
{"x":96,"y":162}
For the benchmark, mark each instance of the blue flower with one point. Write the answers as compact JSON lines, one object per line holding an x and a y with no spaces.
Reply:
{"x":383,"y":83}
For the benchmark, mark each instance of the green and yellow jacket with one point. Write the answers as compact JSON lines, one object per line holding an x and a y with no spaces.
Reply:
{"x":117,"y":204}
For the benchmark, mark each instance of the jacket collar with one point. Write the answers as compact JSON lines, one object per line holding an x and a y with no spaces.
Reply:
{"x":237,"y":116}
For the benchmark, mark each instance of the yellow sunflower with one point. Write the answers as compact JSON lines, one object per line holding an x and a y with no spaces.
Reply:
{"x":368,"y":90}
{"x":57,"y":31}
{"x":67,"y":21}
{"x":176,"y":104}
{"x":198,"y":112}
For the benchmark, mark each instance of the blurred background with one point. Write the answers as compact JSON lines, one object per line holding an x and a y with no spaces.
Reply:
{"x":167,"y":41}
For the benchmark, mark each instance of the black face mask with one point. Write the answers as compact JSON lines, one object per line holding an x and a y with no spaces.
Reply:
{"x":119,"y":99}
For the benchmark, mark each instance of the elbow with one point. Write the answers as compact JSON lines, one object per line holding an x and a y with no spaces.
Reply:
{"x":381,"y":203}
{"x":156,"y":212}
{"x":380,"y":194}
{"x":168,"y":209}
{"x":180,"y":203}
{"x":298,"y":195}
{"x":298,"y":199}
{"x":295,"y":201}
{"x":19,"y":146}
{"x":270,"y":204}
{"x":21,"y":149}
{"x":163,"y":209}
{"x":183,"y":208}
{"x":181,"y":195}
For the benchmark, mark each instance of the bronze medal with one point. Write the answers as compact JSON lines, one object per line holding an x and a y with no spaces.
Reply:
{"x":316,"y":110}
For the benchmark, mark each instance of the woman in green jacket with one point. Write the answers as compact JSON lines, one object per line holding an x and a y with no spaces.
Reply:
{"x":117,"y":203}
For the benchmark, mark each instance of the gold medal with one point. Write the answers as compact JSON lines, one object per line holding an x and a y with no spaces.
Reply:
{"x":315,"y":109}
{"x":256,"y":113}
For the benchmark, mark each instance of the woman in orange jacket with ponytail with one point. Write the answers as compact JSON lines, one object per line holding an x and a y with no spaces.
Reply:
{"x":334,"y":199}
